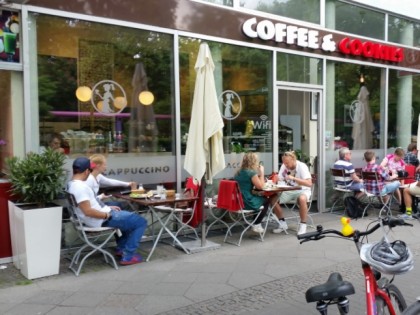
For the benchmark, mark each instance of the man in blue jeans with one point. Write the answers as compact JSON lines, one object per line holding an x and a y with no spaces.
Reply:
{"x":93,"y":214}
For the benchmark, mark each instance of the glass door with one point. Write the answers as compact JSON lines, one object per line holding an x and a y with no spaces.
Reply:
{"x":298,"y":128}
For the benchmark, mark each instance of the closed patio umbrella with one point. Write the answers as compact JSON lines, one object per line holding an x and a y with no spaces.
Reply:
{"x":362,"y":122}
{"x":204,"y":153}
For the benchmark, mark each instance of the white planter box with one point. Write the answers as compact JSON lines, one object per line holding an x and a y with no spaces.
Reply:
{"x":36,"y":240}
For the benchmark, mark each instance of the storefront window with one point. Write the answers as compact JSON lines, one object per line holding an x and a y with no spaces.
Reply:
{"x":403,"y":31}
{"x":354,"y":19}
{"x":299,"y":69}
{"x":113,"y":65}
{"x":105,"y":89}
{"x":243,"y":79}
{"x":355,"y":115}
{"x":9,"y":36}
{"x":304,"y":10}
{"x":404,"y":106}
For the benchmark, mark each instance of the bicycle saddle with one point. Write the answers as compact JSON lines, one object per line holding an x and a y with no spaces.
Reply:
{"x":334,"y":288}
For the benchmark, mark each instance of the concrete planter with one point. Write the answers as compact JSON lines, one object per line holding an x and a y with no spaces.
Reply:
{"x":36,"y":239}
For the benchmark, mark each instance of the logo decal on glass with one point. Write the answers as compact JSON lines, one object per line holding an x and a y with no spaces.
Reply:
{"x":231,"y":104}
{"x":108,"y":97}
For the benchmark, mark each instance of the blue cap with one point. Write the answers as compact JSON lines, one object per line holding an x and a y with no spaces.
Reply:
{"x":82,"y":164}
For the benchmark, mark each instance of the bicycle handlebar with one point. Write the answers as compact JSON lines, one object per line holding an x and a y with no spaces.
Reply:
{"x":320,"y":232}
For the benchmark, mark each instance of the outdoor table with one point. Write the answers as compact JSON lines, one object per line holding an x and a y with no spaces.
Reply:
{"x":165,"y":220}
{"x":268,"y":192}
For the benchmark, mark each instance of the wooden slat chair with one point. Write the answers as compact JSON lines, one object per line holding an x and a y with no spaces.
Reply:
{"x":94,"y":239}
{"x":384,"y":200}
{"x":230,"y":199}
{"x":339,"y":175}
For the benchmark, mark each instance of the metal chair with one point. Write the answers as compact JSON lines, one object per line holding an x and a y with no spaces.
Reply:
{"x":94,"y":239}
{"x":372,"y":179}
{"x":294,"y":207}
{"x":339,"y":185}
{"x":230,"y":199}
{"x":217,"y":215}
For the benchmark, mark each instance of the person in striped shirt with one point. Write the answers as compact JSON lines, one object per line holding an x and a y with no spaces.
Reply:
{"x":351,"y":180}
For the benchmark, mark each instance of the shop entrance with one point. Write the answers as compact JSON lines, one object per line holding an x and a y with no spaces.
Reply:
{"x":298,"y":124}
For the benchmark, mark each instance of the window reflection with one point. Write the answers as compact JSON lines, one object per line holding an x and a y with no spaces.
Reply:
{"x":403,"y":31}
{"x":304,"y":10}
{"x":242,"y":76}
{"x":115,"y":65}
{"x":300,"y":69}
{"x":354,"y":19}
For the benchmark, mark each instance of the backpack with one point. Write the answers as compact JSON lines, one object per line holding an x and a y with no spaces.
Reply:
{"x":354,"y":207}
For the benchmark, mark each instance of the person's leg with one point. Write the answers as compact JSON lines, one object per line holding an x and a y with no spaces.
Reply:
{"x":132,"y":227}
{"x":357,"y":188}
{"x":303,"y":207}
{"x":261,"y":214}
{"x":276,"y":207}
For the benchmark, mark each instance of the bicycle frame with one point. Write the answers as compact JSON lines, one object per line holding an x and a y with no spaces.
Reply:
{"x":373,"y":290}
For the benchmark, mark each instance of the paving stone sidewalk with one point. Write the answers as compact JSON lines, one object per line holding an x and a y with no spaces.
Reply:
{"x":262,"y":278}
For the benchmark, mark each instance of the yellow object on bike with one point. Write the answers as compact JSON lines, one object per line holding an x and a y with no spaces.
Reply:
{"x":347,"y":229}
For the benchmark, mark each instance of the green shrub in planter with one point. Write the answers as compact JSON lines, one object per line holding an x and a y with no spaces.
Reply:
{"x":38,"y":177}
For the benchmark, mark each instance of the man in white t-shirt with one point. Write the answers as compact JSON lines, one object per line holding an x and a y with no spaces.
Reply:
{"x":295,"y":173}
{"x":93,"y":214}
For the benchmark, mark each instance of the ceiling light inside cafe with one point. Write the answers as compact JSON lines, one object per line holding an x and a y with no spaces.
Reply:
{"x":146,"y":97}
{"x":120,"y":102}
{"x":83,"y":93}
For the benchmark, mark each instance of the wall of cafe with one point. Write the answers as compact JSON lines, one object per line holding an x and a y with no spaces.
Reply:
{"x":68,"y":50}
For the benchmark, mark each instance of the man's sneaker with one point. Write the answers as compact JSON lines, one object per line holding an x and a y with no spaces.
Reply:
{"x":302,"y":228}
{"x":257,"y":228}
{"x":405,"y":216}
{"x":282,"y":227}
{"x":135,"y":259}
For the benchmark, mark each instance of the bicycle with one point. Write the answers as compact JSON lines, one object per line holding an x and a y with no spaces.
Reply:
{"x":382,"y":296}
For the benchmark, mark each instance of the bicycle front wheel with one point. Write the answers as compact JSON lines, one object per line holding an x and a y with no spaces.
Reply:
{"x":413,"y":309}
{"x":397,"y":301}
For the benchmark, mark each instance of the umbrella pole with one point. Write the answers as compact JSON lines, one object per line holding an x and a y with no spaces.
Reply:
{"x":203,"y":219}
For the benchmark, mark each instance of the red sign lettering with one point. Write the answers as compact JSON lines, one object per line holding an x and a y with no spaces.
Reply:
{"x":368,"y":49}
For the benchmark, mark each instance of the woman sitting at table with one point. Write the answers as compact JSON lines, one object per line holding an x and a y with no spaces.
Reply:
{"x":250,"y":176}
{"x":393,"y":163}
{"x":296,"y":173}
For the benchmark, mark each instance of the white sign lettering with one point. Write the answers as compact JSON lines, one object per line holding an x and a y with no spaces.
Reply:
{"x":289,"y":34}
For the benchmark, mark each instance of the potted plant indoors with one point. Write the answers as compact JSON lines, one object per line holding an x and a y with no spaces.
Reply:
{"x":35,"y":224}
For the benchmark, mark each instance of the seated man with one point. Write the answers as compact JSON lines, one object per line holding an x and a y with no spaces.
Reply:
{"x":351,"y":180}
{"x":410,"y":158}
{"x":295,"y":173}
{"x":408,"y":193}
{"x":93,"y":214}
{"x":381,"y":187}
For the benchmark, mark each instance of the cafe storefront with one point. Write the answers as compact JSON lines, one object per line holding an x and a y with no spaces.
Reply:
{"x":118,"y":78}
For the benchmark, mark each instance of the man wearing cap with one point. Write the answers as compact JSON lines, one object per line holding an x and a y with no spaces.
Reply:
{"x":93,"y":214}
